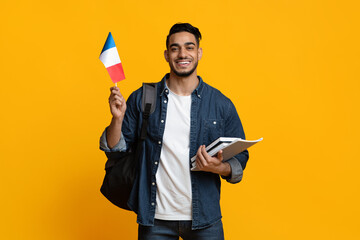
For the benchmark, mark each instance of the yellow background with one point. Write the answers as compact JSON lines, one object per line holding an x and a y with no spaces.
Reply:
{"x":290,"y":67}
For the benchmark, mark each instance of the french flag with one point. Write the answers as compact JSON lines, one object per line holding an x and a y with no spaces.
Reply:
{"x":110,"y":58}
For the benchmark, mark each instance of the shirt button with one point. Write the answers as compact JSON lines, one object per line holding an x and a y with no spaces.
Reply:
{"x":162,"y":121}
{"x":152,"y":204}
{"x":199,"y":95}
{"x":153,"y":183}
{"x":165,"y":101}
{"x":214,"y":122}
{"x":156,"y":163}
{"x":166,"y":90}
{"x":159,"y":142}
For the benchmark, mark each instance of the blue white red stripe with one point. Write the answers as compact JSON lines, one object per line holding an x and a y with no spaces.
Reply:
{"x":110,"y":58}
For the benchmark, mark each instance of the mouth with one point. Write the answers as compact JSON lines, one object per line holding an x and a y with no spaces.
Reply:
{"x":183,"y":63}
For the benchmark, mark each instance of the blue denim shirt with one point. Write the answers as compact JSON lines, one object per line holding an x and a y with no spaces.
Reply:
{"x":212,"y":116}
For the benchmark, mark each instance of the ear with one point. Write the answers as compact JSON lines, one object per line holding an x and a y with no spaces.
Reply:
{"x":199,"y":53}
{"x":166,"y":55}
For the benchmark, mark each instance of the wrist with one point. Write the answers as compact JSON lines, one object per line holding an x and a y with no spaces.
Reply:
{"x":117,"y":120}
{"x":225,"y":169}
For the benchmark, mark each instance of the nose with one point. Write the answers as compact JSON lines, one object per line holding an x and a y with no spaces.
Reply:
{"x":182,"y":53}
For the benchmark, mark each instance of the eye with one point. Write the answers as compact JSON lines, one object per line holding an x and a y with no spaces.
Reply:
{"x":190,"y":48}
{"x":173,"y":49}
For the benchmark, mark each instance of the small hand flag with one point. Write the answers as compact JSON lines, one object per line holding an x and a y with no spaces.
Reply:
{"x":110,"y":58}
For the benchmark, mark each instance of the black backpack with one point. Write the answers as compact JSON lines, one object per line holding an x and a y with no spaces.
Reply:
{"x":121,"y":167}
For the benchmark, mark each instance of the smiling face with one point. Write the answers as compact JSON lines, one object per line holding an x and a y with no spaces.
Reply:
{"x":183,"y":54}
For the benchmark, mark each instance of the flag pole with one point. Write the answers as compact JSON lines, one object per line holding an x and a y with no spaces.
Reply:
{"x":116,"y":84}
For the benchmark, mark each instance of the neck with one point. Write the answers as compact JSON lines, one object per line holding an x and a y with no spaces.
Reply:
{"x":182,"y":86}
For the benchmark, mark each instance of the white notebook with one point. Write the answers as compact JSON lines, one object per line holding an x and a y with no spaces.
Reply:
{"x":230,"y":147}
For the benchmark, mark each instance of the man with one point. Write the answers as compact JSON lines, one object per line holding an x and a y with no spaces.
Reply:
{"x":169,"y":199}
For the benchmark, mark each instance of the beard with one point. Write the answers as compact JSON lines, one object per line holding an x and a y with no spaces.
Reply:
{"x":184,"y":74}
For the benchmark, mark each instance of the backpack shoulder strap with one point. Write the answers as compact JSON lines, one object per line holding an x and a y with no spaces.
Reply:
{"x":149,"y":96}
{"x":148,"y":104}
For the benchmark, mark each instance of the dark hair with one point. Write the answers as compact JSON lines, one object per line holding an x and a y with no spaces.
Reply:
{"x":184,"y":27}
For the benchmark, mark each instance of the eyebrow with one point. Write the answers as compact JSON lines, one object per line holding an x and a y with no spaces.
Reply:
{"x":186,"y":44}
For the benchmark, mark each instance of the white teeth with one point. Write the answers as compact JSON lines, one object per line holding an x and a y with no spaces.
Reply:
{"x":184,"y":62}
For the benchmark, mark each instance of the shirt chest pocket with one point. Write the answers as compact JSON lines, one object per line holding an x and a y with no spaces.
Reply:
{"x":213,"y":129}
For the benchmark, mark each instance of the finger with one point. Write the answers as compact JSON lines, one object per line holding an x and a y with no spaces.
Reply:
{"x":116,"y":92}
{"x":121,"y":99}
{"x":197,"y":160}
{"x":220,"y":155}
{"x":112,"y":98}
{"x":200,"y":157}
{"x":115,"y":102}
{"x":123,"y":105}
{"x":198,"y":163}
{"x":117,"y":97}
{"x":209,"y":159}
{"x":114,"y":88}
{"x":118,"y":103}
{"x":199,"y":152}
{"x":204,"y":152}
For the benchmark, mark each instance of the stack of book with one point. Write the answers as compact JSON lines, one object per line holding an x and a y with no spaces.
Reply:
{"x":230,"y":146}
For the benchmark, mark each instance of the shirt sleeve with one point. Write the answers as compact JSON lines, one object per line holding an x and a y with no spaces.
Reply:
{"x":236,"y":171}
{"x":119,"y":147}
{"x":235,"y":128}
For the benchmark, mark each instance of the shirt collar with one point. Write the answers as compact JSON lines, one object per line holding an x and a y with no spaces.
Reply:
{"x":165,"y":89}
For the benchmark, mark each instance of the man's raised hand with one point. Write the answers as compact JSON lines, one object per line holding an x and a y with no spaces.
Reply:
{"x":117,"y":103}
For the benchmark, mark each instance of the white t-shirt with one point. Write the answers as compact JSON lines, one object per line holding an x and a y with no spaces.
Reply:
{"x":173,"y":196}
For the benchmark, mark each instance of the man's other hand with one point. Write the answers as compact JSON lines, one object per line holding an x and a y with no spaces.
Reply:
{"x":205,"y":162}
